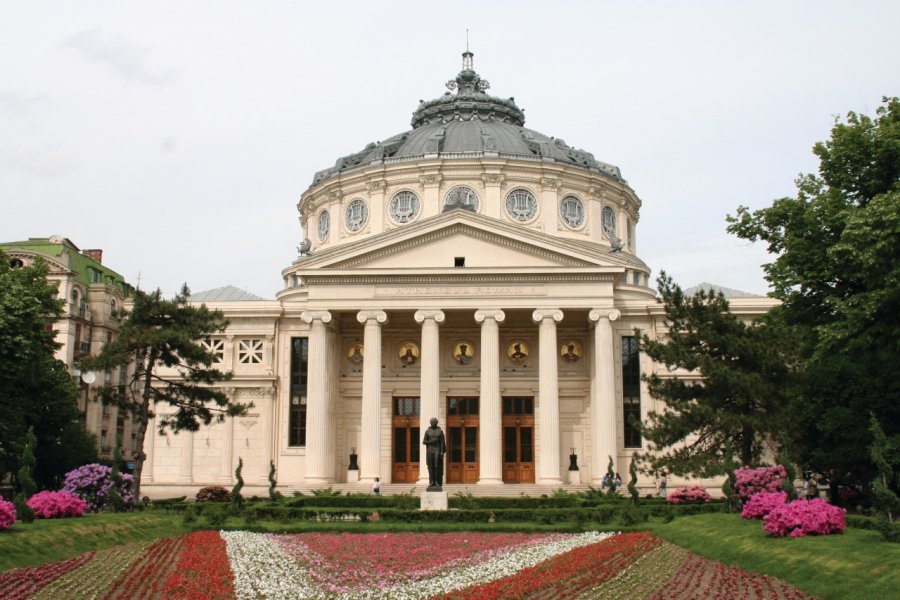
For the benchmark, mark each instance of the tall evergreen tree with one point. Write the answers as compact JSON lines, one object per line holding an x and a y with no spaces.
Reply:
{"x":159,"y":345}
{"x":725,"y":388}
{"x":835,"y":267}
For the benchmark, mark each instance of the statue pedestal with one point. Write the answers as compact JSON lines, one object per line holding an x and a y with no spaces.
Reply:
{"x":574,"y":477}
{"x":433,"y":501}
{"x":352,"y":476}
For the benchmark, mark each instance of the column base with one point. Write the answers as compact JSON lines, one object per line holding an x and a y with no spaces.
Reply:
{"x":318,"y":481}
{"x":550,"y":481}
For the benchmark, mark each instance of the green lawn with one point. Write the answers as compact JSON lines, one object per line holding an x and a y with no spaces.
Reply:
{"x":857,"y":564}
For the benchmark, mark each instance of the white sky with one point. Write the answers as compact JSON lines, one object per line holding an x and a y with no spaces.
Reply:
{"x":178,"y":136}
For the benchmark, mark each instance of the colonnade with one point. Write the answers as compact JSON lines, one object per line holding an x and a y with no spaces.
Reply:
{"x":320,"y":428}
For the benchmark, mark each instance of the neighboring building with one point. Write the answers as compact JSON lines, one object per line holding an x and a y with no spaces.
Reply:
{"x":93,"y":294}
{"x":469,"y":269}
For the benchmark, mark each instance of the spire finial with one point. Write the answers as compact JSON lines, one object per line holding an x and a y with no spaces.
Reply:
{"x":467,"y":39}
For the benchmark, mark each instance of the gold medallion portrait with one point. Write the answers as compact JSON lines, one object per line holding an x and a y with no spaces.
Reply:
{"x":571,"y":351}
{"x":409,"y":354}
{"x":517,"y":352}
{"x":463,"y":353}
{"x":355,"y":353}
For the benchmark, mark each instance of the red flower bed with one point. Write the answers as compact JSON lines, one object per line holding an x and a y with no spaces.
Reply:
{"x":22,"y":583}
{"x":147,"y":576}
{"x":567,"y":575}
{"x":699,"y":577}
{"x":202,"y":570}
{"x":352,"y":560}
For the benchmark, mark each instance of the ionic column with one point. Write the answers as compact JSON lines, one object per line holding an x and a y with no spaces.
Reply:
{"x":490,"y":437}
{"x":430,"y":374}
{"x":370,"y":442}
{"x":548,"y":457}
{"x":318,"y":429}
{"x":603,"y":402}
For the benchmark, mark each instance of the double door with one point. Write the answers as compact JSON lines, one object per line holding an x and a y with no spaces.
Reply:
{"x":462,"y":440}
{"x":407,"y":440}
{"x":518,"y":440}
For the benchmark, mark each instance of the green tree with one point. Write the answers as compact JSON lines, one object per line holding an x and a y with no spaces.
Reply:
{"x":836,"y":269}
{"x":886,"y":457}
{"x":27,"y":486}
{"x":237,"y":501}
{"x":158,"y":345}
{"x":36,"y":390}
{"x":727,"y":384}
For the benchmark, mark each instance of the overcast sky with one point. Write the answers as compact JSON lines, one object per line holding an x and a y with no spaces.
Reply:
{"x":178,"y":136}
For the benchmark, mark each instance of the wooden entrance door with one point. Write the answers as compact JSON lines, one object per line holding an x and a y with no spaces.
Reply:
{"x":462,"y":440}
{"x":407,"y":441}
{"x":518,"y":440}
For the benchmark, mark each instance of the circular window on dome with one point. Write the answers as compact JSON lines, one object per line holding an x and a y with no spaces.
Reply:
{"x":571,"y":211}
{"x":461,"y":197}
{"x":521,"y":205}
{"x":324,"y":223}
{"x":356,"y":215}
{"x":404,"y":207}
{"x":609,"y":223}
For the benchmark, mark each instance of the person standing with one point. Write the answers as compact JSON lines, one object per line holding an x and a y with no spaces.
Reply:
{"x":376,"y":487}
{"x":663,"y":483}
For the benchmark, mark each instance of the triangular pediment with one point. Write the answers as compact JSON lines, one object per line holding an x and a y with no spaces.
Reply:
{"x":441,"y":241}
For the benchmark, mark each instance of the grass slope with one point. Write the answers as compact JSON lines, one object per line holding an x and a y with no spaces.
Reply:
{"x":49,"y":540}
{"x":857,"y":564}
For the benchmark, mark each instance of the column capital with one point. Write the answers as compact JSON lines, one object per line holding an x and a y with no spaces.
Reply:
{"x":436,"y":315}
{"x":604,"y":313}
{"x":378,"y":316}
{"x":495,"y":314}
{"x":309,"y":316}
{"x":547,"y":313}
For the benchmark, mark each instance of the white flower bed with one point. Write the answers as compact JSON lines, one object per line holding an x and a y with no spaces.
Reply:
{"x":263,"y":570}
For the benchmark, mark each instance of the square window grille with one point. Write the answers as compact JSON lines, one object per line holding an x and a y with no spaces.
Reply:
{"x":216,"y":347}
{"x":250,"y":352}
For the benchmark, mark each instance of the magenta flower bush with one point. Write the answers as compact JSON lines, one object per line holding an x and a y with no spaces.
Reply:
{"x":56,"y":505}
{"x":695,"y":494}
{"x":805,"y":517}
{"x":92,"y":483}
{"x":7,"y":514}
{"x":761,"y":479}
{"x":761,"y":504}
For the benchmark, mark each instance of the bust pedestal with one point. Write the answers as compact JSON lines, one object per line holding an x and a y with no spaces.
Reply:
{"x":352,"y":476}
{"x":433,"y":501}
{"x":574,"y":477}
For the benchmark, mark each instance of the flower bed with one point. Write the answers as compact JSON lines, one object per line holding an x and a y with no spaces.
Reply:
{"x":761,"y":479}
{"x":761,"y":504}
{"x":56,"y":505}
{"x":210,"y":564}
{"x":805,"y":517}
{"x":7,"y":514}
{"x":691,"y":495}
{"x":92,"y":483}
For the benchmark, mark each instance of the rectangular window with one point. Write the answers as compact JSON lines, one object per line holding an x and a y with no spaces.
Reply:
{"x":299,"y":376}
{"x":631,"y":391}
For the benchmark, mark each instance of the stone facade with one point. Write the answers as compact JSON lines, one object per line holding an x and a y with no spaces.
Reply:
{"x":470,"y":270}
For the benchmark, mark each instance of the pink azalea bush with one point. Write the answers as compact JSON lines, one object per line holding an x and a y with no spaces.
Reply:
{"x":694,"y":494}
{"x":7,"y":514}
{"x":56,"y":505}
{"x":805,"y":517}
{"x":92,"y":483}
{"x":761,"y":479}
{"x":761,"y":504}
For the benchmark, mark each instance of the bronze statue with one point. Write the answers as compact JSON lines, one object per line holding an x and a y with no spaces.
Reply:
{"x":435,"y":448}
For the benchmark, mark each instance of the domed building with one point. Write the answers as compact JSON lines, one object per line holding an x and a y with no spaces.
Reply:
{"x":471,"y":270}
